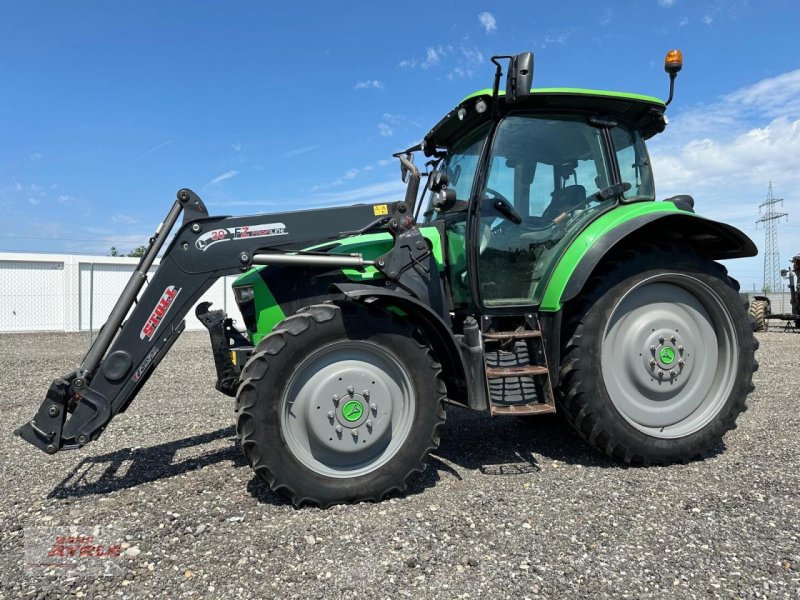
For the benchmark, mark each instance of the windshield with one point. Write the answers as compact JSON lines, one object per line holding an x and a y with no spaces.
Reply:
{"x":545,"y":166}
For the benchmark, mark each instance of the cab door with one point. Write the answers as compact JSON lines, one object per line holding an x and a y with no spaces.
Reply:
{"x":542,"y":171}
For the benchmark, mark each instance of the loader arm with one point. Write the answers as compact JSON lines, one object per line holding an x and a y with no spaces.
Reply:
{"x":79,"y":406}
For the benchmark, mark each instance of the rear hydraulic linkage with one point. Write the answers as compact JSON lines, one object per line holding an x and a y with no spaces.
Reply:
{"x":79,"y":405}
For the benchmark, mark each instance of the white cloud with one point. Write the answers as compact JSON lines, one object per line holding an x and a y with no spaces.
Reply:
{"x":34,"y":201}
{"x":666,"y":3}
{"x":683,"y":22}
{"x":300,"y":151}
{"x":557,"y":38}
{"x":385,"y":130}
{"x":223,"y":177}
{"x":37,"y":156}
{"x":369,"y":84}
{"x":488,"y":21}
{"x":708,"y":20}
{"x":725,"y":154}
{"x":432,"y":57}
{"x":237,"y":147}
{"x":66,"y":199}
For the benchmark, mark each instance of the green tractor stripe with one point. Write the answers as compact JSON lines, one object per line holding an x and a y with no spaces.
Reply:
{"x":575,"y":92}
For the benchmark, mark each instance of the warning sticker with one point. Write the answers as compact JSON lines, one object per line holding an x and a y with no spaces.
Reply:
{"x":380,"y":209}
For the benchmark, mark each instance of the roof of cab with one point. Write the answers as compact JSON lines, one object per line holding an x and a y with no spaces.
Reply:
{"x":644,"y":112}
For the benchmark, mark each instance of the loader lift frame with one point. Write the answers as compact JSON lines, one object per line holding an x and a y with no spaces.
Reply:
{"x":205,"y":248}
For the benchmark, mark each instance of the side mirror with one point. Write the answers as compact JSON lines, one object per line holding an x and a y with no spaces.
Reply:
{"x":404,"y":171}
{"x":784,"y":272}
{"x":520,"y":77}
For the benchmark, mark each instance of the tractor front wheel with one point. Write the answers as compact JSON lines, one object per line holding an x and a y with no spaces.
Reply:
{"x":340,"y":403}
{"x":659,"y":358}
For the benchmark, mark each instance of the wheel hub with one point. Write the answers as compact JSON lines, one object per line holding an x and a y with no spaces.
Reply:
{"x":665,"y":354}
{"x":351,"y":421}
{"x":352,"y":411}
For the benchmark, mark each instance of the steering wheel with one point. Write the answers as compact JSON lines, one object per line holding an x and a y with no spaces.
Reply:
{"x":497,"y":195}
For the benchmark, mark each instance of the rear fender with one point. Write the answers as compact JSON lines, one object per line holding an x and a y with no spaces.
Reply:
{"x":662,"y":223}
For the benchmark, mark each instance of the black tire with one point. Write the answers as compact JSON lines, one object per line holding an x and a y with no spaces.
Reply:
{"x":583,"y":395}
{"x":758,"y":311}
{"x":265,"y":381}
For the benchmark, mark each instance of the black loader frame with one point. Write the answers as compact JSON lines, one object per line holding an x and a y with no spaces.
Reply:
{"x":79,"y":406}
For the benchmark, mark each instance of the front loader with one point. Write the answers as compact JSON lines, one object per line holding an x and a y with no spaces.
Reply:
{"x":541,"y":275}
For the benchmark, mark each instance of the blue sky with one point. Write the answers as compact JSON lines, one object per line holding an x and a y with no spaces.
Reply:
{"x":108,"y":108}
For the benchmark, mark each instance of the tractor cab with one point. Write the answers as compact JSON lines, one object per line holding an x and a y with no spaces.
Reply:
{"x":514,"y":182}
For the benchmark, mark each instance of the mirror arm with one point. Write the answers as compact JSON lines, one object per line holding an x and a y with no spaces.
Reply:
{"x":671,"y":87}
{"x":413,"y":182}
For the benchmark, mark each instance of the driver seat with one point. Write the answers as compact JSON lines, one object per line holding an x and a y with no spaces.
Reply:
{"x":564,"y":200}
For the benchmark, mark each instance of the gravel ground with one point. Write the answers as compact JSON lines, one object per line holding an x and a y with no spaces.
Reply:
{"x":506,"y":509}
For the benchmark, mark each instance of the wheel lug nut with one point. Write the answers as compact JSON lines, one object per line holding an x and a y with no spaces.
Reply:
{"x":653,"y":349}
{"x":336,"y":400}
{"x":661,"y":339}
{"x":673,"y":339}
{"x":355,"y":433}
{"x":652,"y":362}
{"x":373,"y":407}
{"x":660,"y":373}
{"x":681,"y":362}
{"x":672,"y":373}
{"x":351,"y":390}
{"x":330,"y":414}
{"x":338,"y":429}
{"x":369,"y":424}
{"x":365,"y":393}
{"x":680,"y":349}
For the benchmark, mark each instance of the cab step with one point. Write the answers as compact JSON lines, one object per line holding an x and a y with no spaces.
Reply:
{"x":511,"y":335}
{"x":522,"y":410}
{"x":517,"y":374}
{"x":522,"y":371}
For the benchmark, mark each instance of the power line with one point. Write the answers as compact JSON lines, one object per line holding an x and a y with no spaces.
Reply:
{"x":772,"y":261}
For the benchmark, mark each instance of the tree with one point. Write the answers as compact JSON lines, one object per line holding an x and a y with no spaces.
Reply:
{"x":114,"y":251}
{"x":137,"y":252}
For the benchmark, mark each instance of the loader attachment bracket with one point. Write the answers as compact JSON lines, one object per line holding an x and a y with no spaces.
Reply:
{"x":224,"y":340}
{"x":44,"y":430}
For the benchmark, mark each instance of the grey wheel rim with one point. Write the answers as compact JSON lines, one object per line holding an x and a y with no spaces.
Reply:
{"x":669,"y":355}
{"x":347,"y":409}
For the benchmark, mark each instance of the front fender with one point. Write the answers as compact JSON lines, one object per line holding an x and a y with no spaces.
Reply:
{"x":436,"y":330}
{"x":635,"y":223}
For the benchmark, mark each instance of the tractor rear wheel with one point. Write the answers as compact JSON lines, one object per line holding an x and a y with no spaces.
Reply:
{"x":659,"y":358}
{"x":758,"y":310}
{"x":340,"y":403}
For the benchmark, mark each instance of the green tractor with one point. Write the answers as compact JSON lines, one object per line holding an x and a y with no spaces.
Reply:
{"x":540,"y":275}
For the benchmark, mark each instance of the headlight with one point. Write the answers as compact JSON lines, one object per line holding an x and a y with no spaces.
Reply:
{"x":243,"y":294}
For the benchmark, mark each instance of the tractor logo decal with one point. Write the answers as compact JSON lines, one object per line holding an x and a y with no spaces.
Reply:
{"x":667,"y":355}
{"x":210,"y":238}
{"x":159,"y":312}
{"x":352,"y":411}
